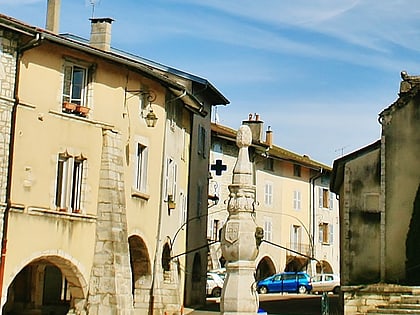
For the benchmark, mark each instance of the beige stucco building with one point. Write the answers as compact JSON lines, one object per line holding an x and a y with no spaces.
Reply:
{"x":293,"y":205}
{"x":92,"y":198}
{"x":378,"y":187}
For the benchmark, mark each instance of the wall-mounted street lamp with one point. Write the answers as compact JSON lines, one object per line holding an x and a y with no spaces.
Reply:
{"x":150,"y":117}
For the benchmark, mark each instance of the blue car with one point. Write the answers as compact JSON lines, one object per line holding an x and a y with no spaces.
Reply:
{"x":291,"y":282}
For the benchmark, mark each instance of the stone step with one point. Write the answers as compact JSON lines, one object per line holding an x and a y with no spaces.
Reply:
{"x":390,"y":311}
{"x":412,"y":299}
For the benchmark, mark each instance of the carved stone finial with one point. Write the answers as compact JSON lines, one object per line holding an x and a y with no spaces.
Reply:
{"x":243,"y":137}
{"x":242,"y":172}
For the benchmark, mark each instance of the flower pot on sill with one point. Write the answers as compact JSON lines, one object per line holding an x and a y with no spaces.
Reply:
{"x":69,"y":107}
{"x":62,"y":209}
{"x":82,"y":110}
{"x":77,"y":211}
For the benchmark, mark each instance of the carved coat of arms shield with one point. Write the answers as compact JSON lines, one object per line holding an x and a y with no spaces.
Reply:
{"x":232,"y":232}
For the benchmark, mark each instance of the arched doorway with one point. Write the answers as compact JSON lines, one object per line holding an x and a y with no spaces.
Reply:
{"x":141,"y":271}
{"x":48,"y":285}
{"x":265,"y":268}
{"x":323,"y":266}
{"x":296,"y":263}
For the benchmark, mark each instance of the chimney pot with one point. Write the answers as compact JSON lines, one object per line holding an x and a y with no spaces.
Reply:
{"x":269,"y":137}
{"x":256,"y":125}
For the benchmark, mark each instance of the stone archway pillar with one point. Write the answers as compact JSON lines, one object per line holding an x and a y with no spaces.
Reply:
{"x":110,"y":282}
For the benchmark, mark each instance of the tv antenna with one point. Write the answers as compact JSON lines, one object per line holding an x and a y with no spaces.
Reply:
{"x":93,"y":3}
{"x":341,"y":150}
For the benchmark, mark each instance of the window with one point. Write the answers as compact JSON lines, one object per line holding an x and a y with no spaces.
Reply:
{"x":184,"y":148}
{"x":296,"y":237}
{"x":69,"y":183}
{"x":183,"y":208}
{"x":75,"y":84}
{"x":297,"y":170}
{"x":171,"y":177}
{"x":269,"y":164}
{"x":217,"y":147}
{"x":268,"y":194}
{"x":268,"y":228}
{"x":141,"y":163}
{"x":323,"y":233}
{"x":325,"y":198}
{"x":215,"y":226}
{"x":296,"y":200}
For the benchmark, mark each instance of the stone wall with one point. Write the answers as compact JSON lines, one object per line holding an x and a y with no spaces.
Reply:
{"x":8,"y":55}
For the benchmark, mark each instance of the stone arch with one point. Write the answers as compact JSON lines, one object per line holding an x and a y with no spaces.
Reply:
{"x":296,"y":263}
{"x":166,"y":257}
{"x":50,"y":283}
{"x":196,"y":270}
{"x":141,"y":270}
{"x":323,"y":266}
{"x":265,"y":268}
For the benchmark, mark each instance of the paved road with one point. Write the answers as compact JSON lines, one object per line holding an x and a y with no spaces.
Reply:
{"x":280,"y":304}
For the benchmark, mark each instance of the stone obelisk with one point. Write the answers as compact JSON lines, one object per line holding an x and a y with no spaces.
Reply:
{"x":239,"y":245}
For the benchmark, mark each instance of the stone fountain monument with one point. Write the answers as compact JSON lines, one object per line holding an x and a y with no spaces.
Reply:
{"x":240,"y":236}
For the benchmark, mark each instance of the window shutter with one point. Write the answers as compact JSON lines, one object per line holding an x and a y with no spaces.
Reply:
{"x":320,"y":196}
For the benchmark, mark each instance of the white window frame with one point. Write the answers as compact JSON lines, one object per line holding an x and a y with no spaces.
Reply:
{"x":268,"y":193}
{"x":296,"y":237}
{"x":69,"y":182}
{"x":141,"y":168}
{"x":297,"y":200}
{"x":68,"y":93}
{"x":268,"y":228}
{"x":171,"y":178}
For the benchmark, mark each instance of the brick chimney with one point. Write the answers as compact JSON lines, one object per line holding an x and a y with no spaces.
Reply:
{"x":100,"y":34}
{"x":53,"y":16}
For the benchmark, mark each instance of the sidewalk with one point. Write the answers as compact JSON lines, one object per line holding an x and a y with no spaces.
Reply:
{"x":212,"y":307}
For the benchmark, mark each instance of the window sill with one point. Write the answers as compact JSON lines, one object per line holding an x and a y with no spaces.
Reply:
{"x":50,"y":212}
{"x":138,"y":194}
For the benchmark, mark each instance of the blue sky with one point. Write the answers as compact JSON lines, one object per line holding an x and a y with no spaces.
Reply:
{"x":317,"y":71}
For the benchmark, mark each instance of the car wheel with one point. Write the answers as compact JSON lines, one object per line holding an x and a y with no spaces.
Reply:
{"x":302,"y":289}
{"x":336,"y":290}
{"x":217,"y":292}
{"x":263,"y":290}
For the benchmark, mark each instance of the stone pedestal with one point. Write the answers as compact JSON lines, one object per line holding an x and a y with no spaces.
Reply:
{"x":239,"y":243}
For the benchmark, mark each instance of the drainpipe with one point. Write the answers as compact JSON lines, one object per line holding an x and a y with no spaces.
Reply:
{"x":31,"y":44}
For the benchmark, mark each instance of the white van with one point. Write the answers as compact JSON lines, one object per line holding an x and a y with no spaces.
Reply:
{"x":326,"y":282}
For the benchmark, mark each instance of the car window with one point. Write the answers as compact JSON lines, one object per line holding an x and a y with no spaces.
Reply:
{"x":277,"y":278}
{"x":329,"y":278}
{"x":301,"y":277}
{"x":289,"y":277}
{"x":316,"y":278}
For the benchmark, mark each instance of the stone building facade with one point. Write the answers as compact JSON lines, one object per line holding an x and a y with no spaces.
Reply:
{"x":293,"y":204}
{"x":95,"y":196}
{"x":378,"y":187}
